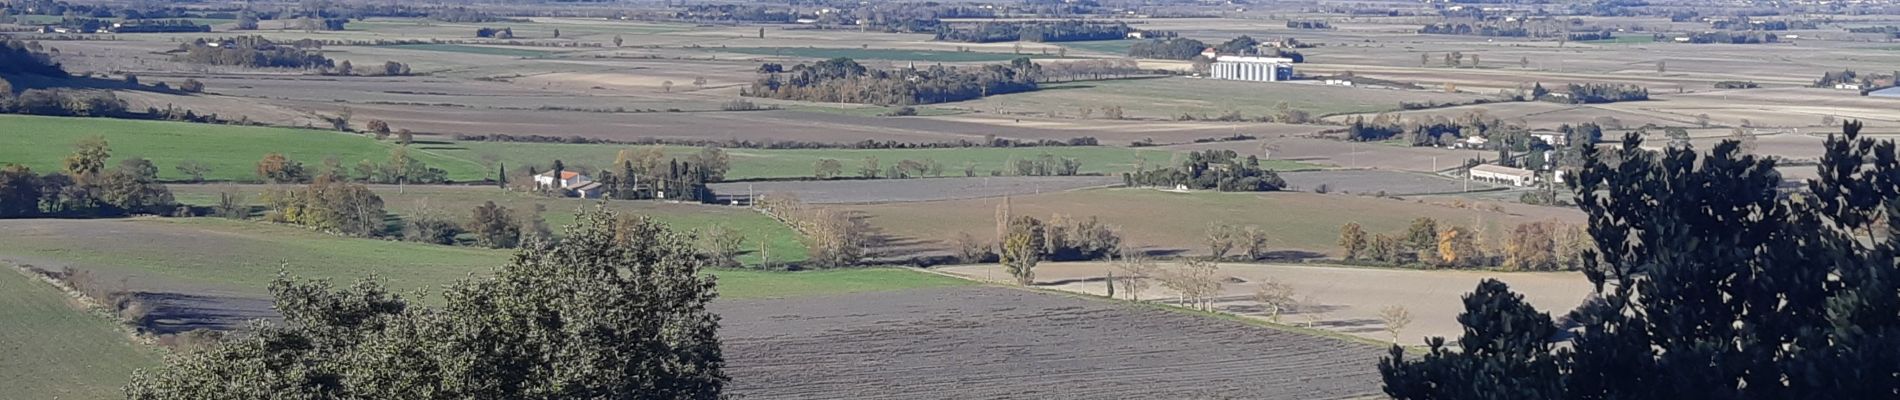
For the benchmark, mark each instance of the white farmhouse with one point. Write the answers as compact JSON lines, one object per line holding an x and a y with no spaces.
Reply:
{"x":1503,"y":175}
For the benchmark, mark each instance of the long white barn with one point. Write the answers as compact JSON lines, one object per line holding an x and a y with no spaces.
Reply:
{"x":1257,"y":69}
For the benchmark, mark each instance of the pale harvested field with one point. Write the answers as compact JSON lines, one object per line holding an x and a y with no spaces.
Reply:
{"x":1339,"y":299}
{"x":998,"y":343}
{"x":913,"y":190}
{"x":1168,"y":98}
{"x":1298,"y":225}
{"x":1782,"y":107}
{"x":1347,"y":154}
{"x":1546,"y":115}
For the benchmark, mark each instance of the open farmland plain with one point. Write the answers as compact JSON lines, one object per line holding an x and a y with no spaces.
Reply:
{"x":980,"y":342}
{"x":494,"y":92}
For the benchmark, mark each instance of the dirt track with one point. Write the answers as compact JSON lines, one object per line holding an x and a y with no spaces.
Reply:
{"x":1396,"y":183}
{"x":991,"y":343}
{"x":909,"y":190}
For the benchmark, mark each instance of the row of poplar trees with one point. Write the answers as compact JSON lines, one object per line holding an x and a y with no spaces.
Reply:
{"x":1710,"y":283}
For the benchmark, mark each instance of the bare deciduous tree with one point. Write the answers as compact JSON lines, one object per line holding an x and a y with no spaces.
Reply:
{"x":1275,"y":298}
{"x":1136,"y":269}
{"x":1221,"y":239}
{"x":1195,"y":281}
{"x":1395,"y":317}
{"x":722,"y":242}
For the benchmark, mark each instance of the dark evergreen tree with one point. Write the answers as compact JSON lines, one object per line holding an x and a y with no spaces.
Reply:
{"x":1710,"y":283}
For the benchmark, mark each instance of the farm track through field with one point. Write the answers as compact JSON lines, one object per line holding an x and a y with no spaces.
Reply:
{"x":988,"y":342}
{"x":912,"y":190}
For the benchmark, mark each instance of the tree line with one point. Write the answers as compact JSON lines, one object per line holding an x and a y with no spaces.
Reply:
{"x":21,"y":57}
{"x":1722,"y":37}
{"x":1167,"y":49}
{"x":1221,"y":170}
{"x":1592,"y":93}
{"x":1190,"y":49}
{"x":832,"y":238}
{"x":250,"y":51}
{"x":842,"y":80}
{"x":1425,"y":131}
{"x":649,"y":173}
{"x":1034,"y":31}
{"x":398,"y":168}
{"x":1023,"y":241}
{"x":1247,"y":46}
{"x":1867,"y":81}
{"x":1429,"y":244}
{"x":1309,"y":24}
{"x":86,"y":187}
{"x":616,"y":309}
{"x":1709,"y":282}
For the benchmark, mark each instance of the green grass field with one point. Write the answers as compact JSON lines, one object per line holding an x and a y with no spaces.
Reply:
{"x":456,"y":203}
{"x":1110,"y":47}
{"x":485,"y":50}
{"x":232,"y":152}
{"x":242,"y":257}
{"x":50,"y":348}
{"x":754,"y":163}
{"x":885,"y":54}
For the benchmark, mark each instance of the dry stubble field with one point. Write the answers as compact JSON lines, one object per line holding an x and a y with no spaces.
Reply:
{"x":1340,"y":299}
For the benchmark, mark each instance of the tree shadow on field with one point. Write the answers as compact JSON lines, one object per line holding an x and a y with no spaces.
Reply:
{"x":882,"y":245}
{"x":1066,"y":87}
{"x":1291,"y":256}
{"x":1359,"y":325}
{"x":23,"y":82}
{"x":1060,"y":282}
{"x":1163,"y":252}
{"x":174,"y":313}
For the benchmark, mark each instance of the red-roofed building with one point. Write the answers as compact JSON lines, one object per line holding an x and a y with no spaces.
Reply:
{"x":569,"y":180}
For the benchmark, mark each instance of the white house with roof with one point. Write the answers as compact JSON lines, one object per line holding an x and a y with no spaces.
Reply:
{"x":579,"y":183}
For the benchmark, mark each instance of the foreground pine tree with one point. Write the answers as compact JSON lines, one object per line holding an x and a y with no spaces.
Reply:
{"x":615,"y":310}
{"x":1711,"y":284}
